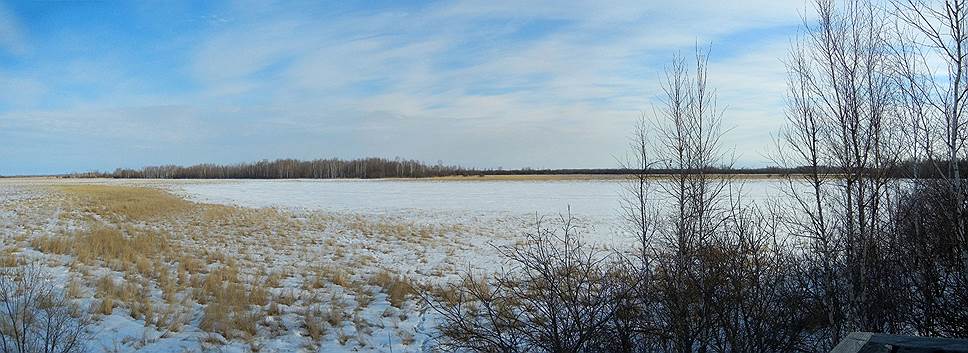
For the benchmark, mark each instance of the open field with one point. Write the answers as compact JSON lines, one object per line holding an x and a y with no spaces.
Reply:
{"x":164,"y":275}
{"x":277,"y":266}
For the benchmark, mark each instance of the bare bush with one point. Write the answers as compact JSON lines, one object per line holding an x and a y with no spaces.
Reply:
{"x":35,"y":316}
{"x":934,"y":275}
{"x":557,"y":295}
{"x":762,"y":304}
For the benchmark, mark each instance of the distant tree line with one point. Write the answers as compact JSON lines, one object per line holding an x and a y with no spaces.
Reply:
{"x":722,"y":170}
{"x":364,"y":168}
{"x":372,"y":168}
{"x":901,"y":169}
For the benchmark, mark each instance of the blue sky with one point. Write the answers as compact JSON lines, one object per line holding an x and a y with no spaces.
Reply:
{"x":88,"y":85}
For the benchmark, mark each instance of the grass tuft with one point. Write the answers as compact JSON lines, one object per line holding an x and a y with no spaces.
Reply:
{"x":398,"y":288}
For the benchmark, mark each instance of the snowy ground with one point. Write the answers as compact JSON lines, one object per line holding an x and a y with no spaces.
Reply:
{"x":428,"y":231}
{"x":596,"y":202}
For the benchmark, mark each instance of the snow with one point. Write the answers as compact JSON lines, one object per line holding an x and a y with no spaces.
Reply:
{"x":482,"y":213}
{"x":597,"y":203}
{"x":390,"y":196}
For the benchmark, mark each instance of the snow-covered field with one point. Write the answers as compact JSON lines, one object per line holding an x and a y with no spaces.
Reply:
{"x":445,"y":202}
{"x":427,"y":231}
{"x":596,"y":202}
{"x":592,"y":198}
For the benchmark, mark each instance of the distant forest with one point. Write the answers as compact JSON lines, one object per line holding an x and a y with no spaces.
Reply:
{"x":374,"y":168}
{"x":364,"y":168}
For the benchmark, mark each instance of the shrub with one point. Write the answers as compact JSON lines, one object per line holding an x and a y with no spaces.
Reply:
{"x":559,"y":296}
{"x":35,"y":316}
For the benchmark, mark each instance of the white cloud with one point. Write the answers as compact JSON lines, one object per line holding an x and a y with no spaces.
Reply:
{"x":20,"y":91}
{"x":11,"y":35}
{"x":592,"y":75}
{"x":450,"y":81}
{"x":239,"y":53}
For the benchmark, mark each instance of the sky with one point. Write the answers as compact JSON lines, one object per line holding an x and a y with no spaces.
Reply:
{"x":95,"y":85}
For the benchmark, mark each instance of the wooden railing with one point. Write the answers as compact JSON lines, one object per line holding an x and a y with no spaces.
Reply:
{"x":865,"y":342}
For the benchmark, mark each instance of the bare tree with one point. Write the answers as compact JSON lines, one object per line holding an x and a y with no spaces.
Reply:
{"x":930,"y":231}
{"x":638,"y":198}
{"x":801,"y":144}
{"x":936,"y":38}
{"x":844,"y":128}
{"x":688,"y":129}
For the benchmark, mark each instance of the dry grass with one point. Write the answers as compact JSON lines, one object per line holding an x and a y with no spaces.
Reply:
{"x":233,"y":309}
{"x":336,"y":275}
{"x":363,"y":297}
{"x":104,"y":307}
{"x":209,"y":261}
{"x":392,"y":229}
{"x":142,"y":307}
{"x":73,"y":289}
{"x":169,"y":285}
{"x":137,"y":252}
{"x":397,"y":288}
{"x":449,"y":294}
{"x":286,"y":297}
{"x":336,"y":313}
{"x":314,"y":281}
{"x":314,"y":322}
{"x":113,"y":293}
{"x":232,"y":321}
{"x":9,"y":258}
{"x":274,"y":280}
{"x":274,"y":309}
{"x":115,"y":240}
{"x":131,"y":203}
{"x":53,"y":244}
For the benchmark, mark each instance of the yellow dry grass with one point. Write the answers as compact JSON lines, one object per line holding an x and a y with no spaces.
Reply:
{"x":398,"y":288}
{"x":108,"y":245}
{"x":113,"y":293}
{"x":131,"y":203}
{"x":193,"y":255}
{"x":123,"y":233}
{"x":314,"y":321}
{"x":232,"y":309}
{"x":9,"y":258}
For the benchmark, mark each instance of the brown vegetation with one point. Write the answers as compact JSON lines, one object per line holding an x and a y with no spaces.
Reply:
{"x":126,"y":203}
{"x":156,"y":256}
